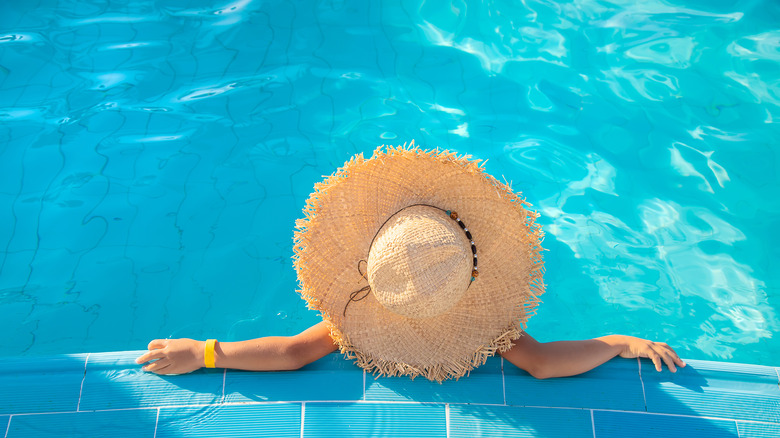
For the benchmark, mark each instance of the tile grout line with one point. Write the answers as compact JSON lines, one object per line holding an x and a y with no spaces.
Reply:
{"x":364,"y":385}
{"x":777,"y":371}
{"x":503,"y":379}
{"x":446,"y":419}
{"x":642,"y":382}
{"x":303,"y":416}
{"x":156,"y":423}
{"x":736,"y":423}
{"x":224,"y":375}
{"x":8,"y":426}
{"x":83,"y":378}
{"x":592,"y":423}
{"x":705,"y":417}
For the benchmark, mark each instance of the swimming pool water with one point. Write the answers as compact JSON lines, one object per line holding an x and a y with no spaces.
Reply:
{"x":154,"y":157}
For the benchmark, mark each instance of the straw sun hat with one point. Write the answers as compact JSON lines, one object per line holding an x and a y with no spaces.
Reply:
{"x":419,"y":262}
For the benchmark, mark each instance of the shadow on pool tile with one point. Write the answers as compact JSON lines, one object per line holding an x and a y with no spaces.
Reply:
{"x":41,"y":384}
{"x":115,"y":381}
{"x":330,"y":378}
{"x":613,"y":385}
{"x":714,"y":389}
{"x":484,"y":385}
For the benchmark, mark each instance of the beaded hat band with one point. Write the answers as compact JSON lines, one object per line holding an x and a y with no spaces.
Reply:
{"x":417,"y":305}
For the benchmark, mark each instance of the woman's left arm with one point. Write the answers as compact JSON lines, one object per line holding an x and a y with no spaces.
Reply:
{"x":179,"y":356}
{"x":569,"y":358}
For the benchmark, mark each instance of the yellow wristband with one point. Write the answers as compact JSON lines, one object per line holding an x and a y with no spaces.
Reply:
{"x":208,"y":355}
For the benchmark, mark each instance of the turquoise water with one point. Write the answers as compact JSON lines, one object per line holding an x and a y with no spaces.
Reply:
{"x":154,"y":157}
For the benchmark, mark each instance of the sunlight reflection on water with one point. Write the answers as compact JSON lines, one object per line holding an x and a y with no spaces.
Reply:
{"x":159,"y":152}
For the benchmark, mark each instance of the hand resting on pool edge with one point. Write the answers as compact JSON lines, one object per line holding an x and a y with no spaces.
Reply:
{"x":279,"y":353}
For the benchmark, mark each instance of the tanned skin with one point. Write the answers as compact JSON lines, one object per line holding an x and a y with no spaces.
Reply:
{"x":277,"y":353}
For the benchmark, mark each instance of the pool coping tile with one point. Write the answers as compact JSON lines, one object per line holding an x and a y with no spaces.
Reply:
{"x":748,"y":429}
{"x":130,"y":423}
{"x":616,"y":424}
{"x":485,"y":385}
{"x":515,"y":421}
{"x":41,"y":384}
{"x":361,"y":419}
{"x":277,"y":420}
{"x":114,"y":381}
{"x":614,"y":385}
{"x":714,"y":389}
{"x":330,"y":378}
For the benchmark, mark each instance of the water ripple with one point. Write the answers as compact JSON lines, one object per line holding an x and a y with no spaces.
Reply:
{"x":21,"y":38}
{"x":150,"y":147}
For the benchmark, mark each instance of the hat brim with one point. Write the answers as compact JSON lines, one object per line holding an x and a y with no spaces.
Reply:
{"x":345,"y":212}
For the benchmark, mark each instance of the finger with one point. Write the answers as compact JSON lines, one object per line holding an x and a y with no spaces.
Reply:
{"x":151,"y":355}
{"x":666,"y":350}
{"x":157,"y":343}
{"x":668,"y":360}
{"x":680,"y":363}
{"x":157,"y":366}
{"x":656,"y":360}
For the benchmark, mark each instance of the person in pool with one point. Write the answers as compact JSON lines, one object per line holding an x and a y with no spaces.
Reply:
{"x":420,"y":264}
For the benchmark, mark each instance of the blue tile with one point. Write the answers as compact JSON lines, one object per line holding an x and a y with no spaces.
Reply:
{"x":758,"y":430}
{"x":137,"y":423}
{"x":613,"y":385}
{"x":714,"y":389}
{"x":4,"y":424}
{"x":484,"y":385}
{"x":115,"y":381}
{"x":507,"y":421}
{"x":344,"y":420}
{"x":330,"y":378}
{"x":40,"y":384}
{"x":624,"y":424}
{"x":266,"y":420}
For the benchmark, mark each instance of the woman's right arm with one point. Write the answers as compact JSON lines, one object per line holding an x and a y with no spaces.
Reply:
{"x":273,"y":353}
{"x":569,"y":358}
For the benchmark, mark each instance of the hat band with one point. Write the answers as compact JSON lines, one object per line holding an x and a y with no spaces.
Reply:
{"x":363,"y":292}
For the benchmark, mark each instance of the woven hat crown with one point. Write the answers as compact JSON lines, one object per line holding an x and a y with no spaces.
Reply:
{"x":420,"y":263}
